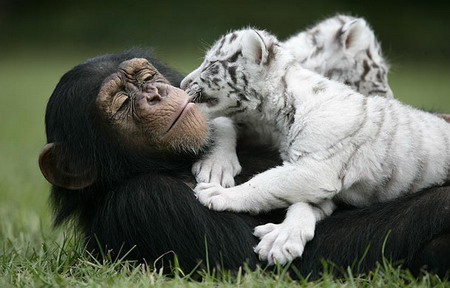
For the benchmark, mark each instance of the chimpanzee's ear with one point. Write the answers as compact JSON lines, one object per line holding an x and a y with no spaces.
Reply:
{"x":445,"y":116}
{"x":253,"y":47}
{"x":66,"y":175}
{"x":356,"y":35}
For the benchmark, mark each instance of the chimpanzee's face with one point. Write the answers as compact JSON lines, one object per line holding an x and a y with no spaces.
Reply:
{"x":141,"y":106}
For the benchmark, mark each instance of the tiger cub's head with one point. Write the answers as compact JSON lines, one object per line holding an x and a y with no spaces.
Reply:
{"x":345,"y":49}
{"x":225,"y":84}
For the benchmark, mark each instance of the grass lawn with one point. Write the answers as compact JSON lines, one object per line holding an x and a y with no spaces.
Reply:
{"x":32,"y":254}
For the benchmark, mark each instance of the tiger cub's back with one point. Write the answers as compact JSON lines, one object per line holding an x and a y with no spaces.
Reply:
{"x":408,"y":150}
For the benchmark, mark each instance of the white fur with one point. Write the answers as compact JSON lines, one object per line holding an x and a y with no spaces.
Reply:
{"x":342,"y":58}
{"x":221,"y":164}
{"x":334,"y":56}
{"x":338,"y":143}
{"x":284,"y":237}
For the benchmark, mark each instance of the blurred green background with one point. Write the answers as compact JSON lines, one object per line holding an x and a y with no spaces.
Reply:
{"x":40,"y":40}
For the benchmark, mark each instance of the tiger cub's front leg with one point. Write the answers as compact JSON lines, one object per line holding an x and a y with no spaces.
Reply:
{"x":221,"y":164}
{"x":278,"y":187}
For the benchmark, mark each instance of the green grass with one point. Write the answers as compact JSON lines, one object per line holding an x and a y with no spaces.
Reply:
{"x":32,"y":254}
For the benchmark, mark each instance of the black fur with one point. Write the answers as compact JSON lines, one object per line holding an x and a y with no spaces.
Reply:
{"x":140,"y":202}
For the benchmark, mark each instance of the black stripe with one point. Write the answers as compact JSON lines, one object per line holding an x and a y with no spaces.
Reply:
{"x":245,"y":80}
{"x":238,"y":105}
{"x":297,"y":135}
{"x":314,"y":35}
{"x":366,"y":69}
{"x":232,"y":113}
{"x":377,"y":92}
{"x":380,"y":76}
{"x":207,"y":66}
{"x":214,"y":70}
{"x":234,"y":57}
{"x":233,"y":37}
{"x":321,"y":86}
{"x":232,"y":72}
{"x":356,"y":129}
{"x":381,"y":123}
{"x":331,"y":72}
{"x":216,"y":81}
{"x":316,"y":52}
{"x":243,"y":97}
{"x":339,"y":34}
{"x":345,"y":165}
{"x":369,"y":54}
{"x":220,"y":46}
{"x":270,"y":55}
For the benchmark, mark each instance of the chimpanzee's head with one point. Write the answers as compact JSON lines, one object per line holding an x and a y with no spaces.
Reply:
{"x":115,"y":115}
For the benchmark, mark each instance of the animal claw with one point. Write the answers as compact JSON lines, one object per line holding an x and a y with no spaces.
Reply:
{"x":210,"y":205}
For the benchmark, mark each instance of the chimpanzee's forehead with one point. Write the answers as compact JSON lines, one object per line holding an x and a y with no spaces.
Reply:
{"x":135,"y":66}
{"x":140,"y":70}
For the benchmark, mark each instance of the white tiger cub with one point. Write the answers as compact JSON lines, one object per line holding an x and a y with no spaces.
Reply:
{"x":341,"y":48}
{"x":334,"y":142}
{"x":345,"y":49}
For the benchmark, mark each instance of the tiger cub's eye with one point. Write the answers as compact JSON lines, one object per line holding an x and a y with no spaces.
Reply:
{"x":210,"y":101}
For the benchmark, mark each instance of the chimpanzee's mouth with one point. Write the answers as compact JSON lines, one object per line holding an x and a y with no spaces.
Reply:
{"x":185,"y":107}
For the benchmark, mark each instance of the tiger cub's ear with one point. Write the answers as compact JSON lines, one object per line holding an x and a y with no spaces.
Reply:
{"x":356,"y":36}
{"x":253,"y":47}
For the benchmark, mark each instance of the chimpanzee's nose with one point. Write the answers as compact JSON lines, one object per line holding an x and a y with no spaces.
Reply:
{"x":155,"y":92}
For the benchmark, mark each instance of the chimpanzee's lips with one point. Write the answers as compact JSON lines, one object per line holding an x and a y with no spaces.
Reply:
{"x":185,"y":107}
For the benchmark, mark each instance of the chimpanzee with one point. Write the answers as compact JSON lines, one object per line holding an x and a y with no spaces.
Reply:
{"x":121,"y":139}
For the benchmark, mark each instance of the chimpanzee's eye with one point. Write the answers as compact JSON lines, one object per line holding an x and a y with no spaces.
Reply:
{"x":120,"y":102}
{"x":124,"y":104}
{"x":149,"y":77}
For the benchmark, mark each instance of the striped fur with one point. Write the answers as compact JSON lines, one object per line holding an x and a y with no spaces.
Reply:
{"x":335,"y":142}
{"x":345,"y":49}
{"x":342,"y":48}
